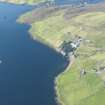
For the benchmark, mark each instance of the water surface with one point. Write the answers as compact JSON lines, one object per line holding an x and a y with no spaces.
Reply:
{"x":28,"y":68}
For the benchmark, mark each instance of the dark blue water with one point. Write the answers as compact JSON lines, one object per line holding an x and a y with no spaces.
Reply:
{"x":28,"y":68}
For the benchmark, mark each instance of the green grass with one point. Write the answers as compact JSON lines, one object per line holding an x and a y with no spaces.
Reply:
{"x":49,"y":29}
{"x":72,"y":89}
{"x":88,"y":90}
{"x":95,"y":99}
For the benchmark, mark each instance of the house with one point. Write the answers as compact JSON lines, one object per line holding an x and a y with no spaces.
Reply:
{"x":68,"y":48}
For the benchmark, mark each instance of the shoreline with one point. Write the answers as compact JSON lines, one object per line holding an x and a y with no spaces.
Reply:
{"x":57,"y":100}
{"x":71,"y":61}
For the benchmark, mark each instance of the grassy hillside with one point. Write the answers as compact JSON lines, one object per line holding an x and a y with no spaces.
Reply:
{"x":72,"y":88}
{"x":45,"y":24}
{"x":24,"y":1}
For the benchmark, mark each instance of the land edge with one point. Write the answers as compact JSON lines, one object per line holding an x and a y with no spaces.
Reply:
{"x":71,"y":61}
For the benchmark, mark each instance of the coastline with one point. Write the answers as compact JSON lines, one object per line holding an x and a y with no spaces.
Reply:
{"x":39,"y":58}
{"x":41,"y":40}
{"x":57,"y":99}
{"x":71,"y":60}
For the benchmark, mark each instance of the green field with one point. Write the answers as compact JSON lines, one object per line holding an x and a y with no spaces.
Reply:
{"x":71,"y":87}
